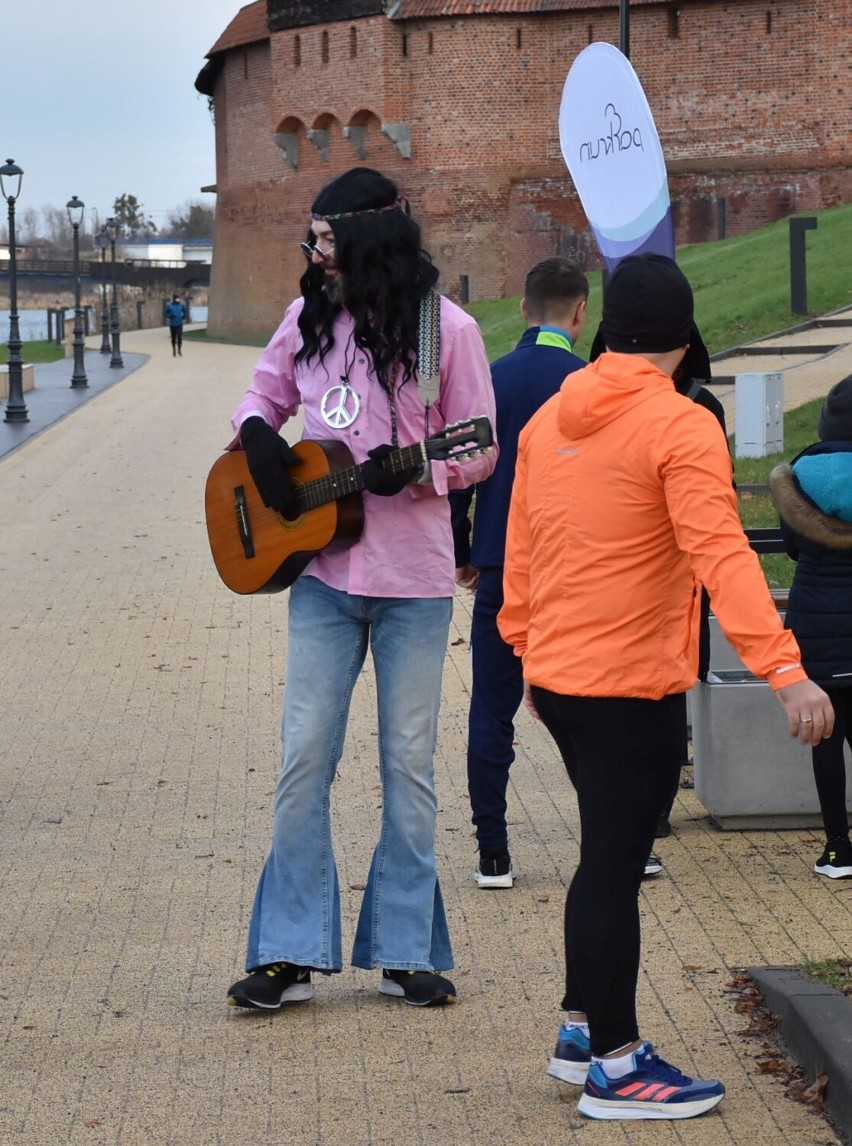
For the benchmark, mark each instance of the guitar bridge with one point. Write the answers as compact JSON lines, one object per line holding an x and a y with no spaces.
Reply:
{"x":243,"y":523}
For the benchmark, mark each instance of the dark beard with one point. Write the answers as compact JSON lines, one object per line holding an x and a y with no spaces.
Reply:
{"x":333,"y":290}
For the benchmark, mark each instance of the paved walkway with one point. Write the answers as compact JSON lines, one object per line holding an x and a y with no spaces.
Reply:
{"x":53,"y":397}
{"x":812,"y":360}
{"x":139,"y":723}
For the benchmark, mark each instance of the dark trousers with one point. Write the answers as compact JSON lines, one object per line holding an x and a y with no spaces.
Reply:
{"x":177,"y":337}
{"x":703,"y":668}
{"x":830,"y":766}
{"x":623,"y":756}
{"x":668,"y":803}
{"x":496,"y":694}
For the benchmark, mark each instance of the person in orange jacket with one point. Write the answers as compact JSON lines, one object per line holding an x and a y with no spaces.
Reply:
{"x":622,"y":508}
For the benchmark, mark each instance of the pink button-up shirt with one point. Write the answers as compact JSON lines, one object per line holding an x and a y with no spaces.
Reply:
{"x":406,"y":547}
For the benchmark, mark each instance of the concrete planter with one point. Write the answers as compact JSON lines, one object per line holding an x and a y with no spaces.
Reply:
{"x":723,"y":655}
{"x":27,"y":379}
{"x":749,"y":773}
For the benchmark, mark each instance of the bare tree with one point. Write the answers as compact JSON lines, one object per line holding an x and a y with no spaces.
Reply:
{"x":56,"y":227}
{"x":193,"y":220}
{"x":28,"y":229}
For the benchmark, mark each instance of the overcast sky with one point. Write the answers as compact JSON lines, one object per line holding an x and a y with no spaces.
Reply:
{"x":97,"y":99}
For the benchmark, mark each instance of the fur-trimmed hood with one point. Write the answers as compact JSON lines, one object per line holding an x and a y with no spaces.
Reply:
{"x":803,"y":516}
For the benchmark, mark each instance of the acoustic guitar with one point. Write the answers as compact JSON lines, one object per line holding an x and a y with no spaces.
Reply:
{"x":257,"y":550}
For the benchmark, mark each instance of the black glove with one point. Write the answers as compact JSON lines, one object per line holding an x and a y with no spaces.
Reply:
{"x":268,"y":457}
{"x":382,"y":481}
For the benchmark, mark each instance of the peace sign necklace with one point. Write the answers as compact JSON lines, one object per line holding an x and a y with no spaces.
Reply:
{"x":341,"y":405}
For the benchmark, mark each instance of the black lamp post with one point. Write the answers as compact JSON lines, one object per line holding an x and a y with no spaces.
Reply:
{"x":10,"y":188}
{"x":113,"y":229}
{"x":624,"y":27}
{"x":102,"y":242}
{"x":79,"y":381}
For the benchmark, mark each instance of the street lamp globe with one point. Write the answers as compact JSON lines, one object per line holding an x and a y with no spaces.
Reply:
{"x":74,"y":208}
{"x":10,"y":180}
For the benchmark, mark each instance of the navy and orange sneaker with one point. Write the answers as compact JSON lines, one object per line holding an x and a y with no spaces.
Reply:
{"x":571,"y":1059}
{"x":653,"y":1089}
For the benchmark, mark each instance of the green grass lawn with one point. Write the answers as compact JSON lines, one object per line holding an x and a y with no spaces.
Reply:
{"x":757,"y":510}
{"x":742,"y":286}
{"x":35,"y":352}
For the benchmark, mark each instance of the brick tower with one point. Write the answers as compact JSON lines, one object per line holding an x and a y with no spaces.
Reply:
{"x":457,"y":100}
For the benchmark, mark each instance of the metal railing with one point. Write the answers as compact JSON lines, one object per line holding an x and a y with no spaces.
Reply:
{"x":766,"y":540}
{"x":130,"y":273}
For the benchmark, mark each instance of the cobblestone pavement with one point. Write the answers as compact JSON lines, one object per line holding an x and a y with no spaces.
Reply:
{"x":139,"y":723}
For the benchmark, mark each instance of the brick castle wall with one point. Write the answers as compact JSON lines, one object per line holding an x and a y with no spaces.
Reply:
{"x":749,"y":96}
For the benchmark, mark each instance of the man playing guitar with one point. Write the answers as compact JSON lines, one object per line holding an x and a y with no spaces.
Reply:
{"x":347,"y":354}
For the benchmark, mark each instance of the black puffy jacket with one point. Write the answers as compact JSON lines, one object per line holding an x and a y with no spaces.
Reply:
{"x":820,"y":608}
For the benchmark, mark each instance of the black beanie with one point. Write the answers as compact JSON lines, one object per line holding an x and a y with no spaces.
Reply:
{"x":647,"y":306}
{"x":835,"y":420}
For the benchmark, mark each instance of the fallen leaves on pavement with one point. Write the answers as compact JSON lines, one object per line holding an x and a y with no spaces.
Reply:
{"x":748,"y":1001}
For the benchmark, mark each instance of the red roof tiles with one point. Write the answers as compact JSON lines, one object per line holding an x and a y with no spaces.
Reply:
{"x":421,"y":9}
{"x":247,"y":27}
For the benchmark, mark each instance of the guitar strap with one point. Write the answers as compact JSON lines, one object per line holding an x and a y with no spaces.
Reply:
{"x":429,"y":348}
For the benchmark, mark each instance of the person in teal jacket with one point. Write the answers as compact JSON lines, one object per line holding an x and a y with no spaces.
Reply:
{"x":176,"y":317}
{"x":813,"y":496}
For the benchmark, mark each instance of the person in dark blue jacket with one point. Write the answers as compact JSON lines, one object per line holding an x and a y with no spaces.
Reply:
{"x":813,"y":496}
{"x":176,"y":316}
{"x":554,"y":307}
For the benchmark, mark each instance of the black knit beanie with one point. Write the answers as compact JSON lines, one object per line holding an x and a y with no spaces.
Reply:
{"x":835,"y":420}
{"x":647,"y":306}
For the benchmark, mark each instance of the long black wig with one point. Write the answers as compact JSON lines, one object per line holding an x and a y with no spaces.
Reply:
{"x":385,"y":272}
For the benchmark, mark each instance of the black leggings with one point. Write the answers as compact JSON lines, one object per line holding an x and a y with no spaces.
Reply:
{"x":177,"y":337}
{"x":830,"y":766}
{"x":623,"y":755}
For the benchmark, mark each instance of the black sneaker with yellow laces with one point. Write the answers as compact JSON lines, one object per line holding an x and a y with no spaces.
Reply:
{"x":267,"y":988}
{"x":418,"y":988}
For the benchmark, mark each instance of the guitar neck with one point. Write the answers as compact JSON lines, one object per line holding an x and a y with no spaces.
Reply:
{"x":341,"y":482}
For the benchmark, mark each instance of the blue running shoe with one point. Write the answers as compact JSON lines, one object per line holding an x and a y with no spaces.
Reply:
{"x":652,"y":1090}
{"x":572,"y":1057}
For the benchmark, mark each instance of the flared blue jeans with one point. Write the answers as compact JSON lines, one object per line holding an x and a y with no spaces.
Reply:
{"x":296,"y":915}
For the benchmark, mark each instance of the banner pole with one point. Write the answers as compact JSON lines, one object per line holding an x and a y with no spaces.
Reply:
{"x":624,"y":27}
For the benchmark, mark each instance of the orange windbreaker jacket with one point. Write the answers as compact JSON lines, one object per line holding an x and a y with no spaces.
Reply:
{"x":622,"y":507}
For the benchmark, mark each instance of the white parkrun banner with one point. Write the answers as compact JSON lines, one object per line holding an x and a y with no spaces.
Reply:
{"x":610,"y":144}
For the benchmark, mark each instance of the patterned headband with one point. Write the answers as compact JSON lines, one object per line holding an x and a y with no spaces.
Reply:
{"x":400,"y":203}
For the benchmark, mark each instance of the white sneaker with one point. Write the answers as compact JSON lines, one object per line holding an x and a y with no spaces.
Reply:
{"x":494,"y":869}
{"x":653,"y":865}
